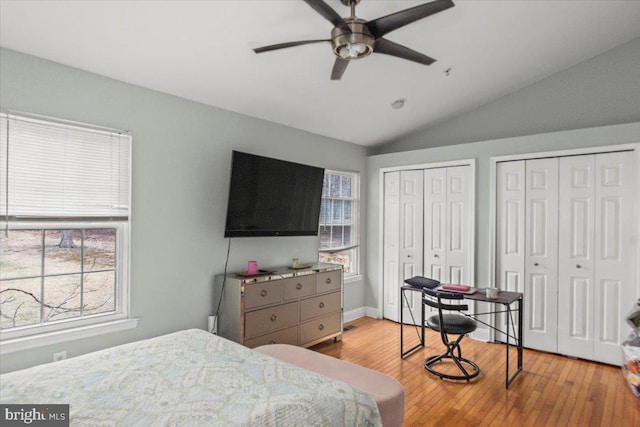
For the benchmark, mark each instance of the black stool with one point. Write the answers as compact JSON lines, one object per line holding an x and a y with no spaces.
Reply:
{"x":450,"y":323}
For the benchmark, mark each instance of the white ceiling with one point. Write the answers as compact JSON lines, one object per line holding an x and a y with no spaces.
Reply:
{"x":202,"y":50}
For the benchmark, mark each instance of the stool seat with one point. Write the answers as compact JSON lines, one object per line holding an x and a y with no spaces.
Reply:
{"x":454,"y":323}
{"x":385,"y":390}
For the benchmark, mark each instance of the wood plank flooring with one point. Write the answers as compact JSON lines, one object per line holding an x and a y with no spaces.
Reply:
{"x":552,"y":390}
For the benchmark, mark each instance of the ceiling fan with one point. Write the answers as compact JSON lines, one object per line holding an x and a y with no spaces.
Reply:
{"x":355,"y":38}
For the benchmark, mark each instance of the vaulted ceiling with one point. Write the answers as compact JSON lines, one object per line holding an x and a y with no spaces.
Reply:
{"x":203,"y":51}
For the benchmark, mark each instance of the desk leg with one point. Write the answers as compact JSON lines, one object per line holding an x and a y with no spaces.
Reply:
{"x":508,"y":342}
{"x":519,"y":341}
{"x":520,"y":334}
{"x":421,"y":337}
{"x":422,"y":341}
{"x":401,"y":326}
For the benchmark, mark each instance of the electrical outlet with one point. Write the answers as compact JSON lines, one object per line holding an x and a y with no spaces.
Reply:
{"x":61,"y":355}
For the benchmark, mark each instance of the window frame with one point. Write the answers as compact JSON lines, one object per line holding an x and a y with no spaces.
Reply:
{"x":37,"y":335}
{"x":355,"y":224}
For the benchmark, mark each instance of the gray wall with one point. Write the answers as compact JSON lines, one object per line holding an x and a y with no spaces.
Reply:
{"x":482,"y":152}
{"x":181,"y":159}
{"x":600,"y":92}
{"x":604,"y":90}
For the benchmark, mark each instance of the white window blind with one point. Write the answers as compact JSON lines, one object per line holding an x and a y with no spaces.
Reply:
{"x":53,"y":170}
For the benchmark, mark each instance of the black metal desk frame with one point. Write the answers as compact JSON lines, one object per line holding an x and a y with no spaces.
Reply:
{"x":505,"y":298}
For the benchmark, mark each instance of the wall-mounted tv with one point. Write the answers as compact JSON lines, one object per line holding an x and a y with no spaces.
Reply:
{"x":271,"y":197}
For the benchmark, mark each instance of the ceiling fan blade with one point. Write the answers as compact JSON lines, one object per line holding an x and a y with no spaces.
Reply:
{"x":388,"y":47}
{"x":381,"y":26}
{"x":328,"y":13}
{"x":287,"y":44}
{"x":338,"y":68}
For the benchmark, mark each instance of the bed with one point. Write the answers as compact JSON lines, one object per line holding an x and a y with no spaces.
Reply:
{"x":189,"y":378}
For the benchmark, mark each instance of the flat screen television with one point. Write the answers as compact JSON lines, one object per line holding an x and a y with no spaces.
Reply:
{"x":271,"y":197}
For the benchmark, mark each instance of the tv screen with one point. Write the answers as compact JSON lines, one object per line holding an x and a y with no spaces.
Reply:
{"x":270,"y":197}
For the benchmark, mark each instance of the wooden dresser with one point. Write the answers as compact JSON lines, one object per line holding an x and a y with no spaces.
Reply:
{"x":281,"y":305}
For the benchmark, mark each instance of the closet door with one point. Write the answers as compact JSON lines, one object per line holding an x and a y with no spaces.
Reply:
{"x":541,"y":254}
{"x":447,"y":216}
{"x":596,"y":267}
{"x":403,"y":241}
{"x":510,"y":229}
{"x":435,"y":224}
{"x":613,"y":279}
{"x":459,"y":192}
{"x":576,"y":256}
{"x":411,"y":235}
{"x":391,"y":246}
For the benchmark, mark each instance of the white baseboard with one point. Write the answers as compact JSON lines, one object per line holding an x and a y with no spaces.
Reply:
{"x":361,"y":312}
{"x":481,"y":335}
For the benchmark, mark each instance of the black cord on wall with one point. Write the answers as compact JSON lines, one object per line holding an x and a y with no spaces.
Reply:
{"x":224,"y":281}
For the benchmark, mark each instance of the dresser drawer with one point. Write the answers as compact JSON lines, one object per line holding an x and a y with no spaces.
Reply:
{"x":320,"y":327}
{"x":270,"y":319}
{"x":284,"y":336}
{"x":262,"y":293}
{"x":328,"y":281}
{"x":320,"y":305}
{"x":298,"y":287}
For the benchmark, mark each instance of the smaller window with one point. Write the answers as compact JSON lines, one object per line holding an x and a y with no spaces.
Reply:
{"x":339,"y":221}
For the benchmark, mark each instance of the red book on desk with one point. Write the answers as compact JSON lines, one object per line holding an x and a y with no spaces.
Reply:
{"x":461,"y":289}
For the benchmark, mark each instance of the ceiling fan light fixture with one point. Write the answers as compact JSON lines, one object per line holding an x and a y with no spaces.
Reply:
{"x":352,"y":50}
{"x":354,"y":45}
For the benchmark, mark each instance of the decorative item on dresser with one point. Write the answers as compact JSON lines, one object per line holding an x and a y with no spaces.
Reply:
{"x":284,"y":305}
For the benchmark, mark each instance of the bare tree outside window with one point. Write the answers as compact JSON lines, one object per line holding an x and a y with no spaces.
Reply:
{"x":42,"y":281}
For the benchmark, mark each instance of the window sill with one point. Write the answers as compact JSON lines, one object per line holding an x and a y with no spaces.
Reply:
{"x":40,"y":340}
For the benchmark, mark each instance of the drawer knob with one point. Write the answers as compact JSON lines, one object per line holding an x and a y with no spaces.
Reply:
{"x":299,"y":286}
{"x":272,"y":342}
{"x":273,"y":317}
{"x":263,"y":293}
{"x":320,"y":327}
{"x":328,"y":281}
{"x":321,"y":305}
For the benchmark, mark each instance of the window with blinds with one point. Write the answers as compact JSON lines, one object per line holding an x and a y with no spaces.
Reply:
{"x":64,"y":210}
{"x":339,"y":220}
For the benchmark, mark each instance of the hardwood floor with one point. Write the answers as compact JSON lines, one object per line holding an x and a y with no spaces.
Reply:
{"x":552,"y":390}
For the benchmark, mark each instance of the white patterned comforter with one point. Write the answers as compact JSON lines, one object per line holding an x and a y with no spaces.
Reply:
{"x":189,"y":378}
